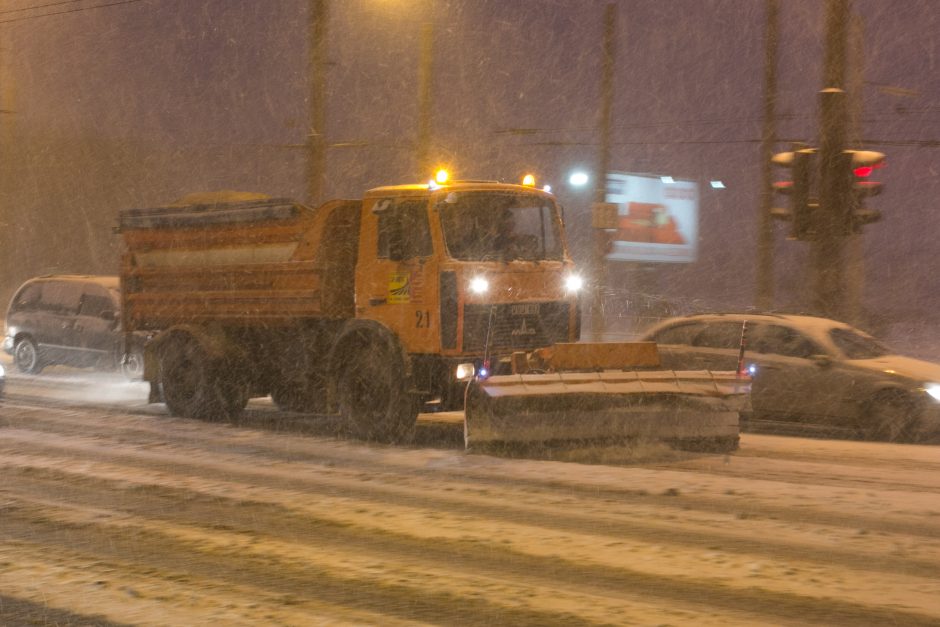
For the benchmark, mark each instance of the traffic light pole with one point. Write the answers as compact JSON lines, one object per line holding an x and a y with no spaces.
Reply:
{"x":765,"y":233}
{"x":828,"y":243}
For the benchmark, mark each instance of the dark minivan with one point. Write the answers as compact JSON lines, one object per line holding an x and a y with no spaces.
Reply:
{"x":72,"y":320}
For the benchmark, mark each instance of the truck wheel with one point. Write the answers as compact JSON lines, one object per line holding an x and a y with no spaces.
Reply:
{"x":197,"y":386}
{"x":372,"y":393}
{"x":26,"y":356}
{"x":890,"y":416}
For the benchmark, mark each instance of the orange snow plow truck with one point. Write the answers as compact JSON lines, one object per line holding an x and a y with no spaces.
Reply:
{"x":378,"y":307}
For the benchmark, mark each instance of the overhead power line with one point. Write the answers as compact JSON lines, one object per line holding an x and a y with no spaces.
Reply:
{"x":65,"y":11}
{"x":40,"y":6}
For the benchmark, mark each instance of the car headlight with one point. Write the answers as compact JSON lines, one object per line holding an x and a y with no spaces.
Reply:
{"x":933,"y":389}
{"x":573,"y":283}
{"x":479,"y":285}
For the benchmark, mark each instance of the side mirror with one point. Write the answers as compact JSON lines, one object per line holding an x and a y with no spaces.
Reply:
{"x":108,"y":314}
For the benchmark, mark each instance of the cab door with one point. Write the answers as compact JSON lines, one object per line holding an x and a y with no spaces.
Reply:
{"x":397,"y":273}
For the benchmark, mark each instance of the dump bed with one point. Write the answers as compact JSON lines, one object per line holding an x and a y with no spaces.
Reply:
{"x":242,"y":260}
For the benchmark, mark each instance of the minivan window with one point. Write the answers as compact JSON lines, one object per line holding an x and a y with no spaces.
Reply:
{"x":61,"y":296}
{"x":96,"y":301}
{"x":28,"y":298}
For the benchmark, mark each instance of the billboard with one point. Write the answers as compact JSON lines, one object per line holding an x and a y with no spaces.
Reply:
{"x":657,"y":218}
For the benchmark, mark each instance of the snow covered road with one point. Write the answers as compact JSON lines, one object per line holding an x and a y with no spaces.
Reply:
{"x":127,"y":516}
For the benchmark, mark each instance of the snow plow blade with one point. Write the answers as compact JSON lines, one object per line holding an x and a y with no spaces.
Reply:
{"x":603,"y":392}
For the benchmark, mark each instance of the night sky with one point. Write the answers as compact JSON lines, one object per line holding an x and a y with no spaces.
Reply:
{"x":139,"y":103}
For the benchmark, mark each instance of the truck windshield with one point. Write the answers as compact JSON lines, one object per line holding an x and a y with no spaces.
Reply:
{"x":500,"y":226}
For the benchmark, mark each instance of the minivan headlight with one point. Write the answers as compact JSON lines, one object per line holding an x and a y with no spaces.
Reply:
{"x":933,"y":389}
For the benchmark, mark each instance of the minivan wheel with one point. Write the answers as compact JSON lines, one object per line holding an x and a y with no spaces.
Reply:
{"x":26,"y":356}
{"x":132,"y":364}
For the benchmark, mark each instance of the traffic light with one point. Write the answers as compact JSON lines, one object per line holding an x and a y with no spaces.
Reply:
{"x":859,"y":165}
{"x":800,"y":212}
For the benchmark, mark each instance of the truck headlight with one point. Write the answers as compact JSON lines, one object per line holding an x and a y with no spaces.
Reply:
{"x":573,"y":283}
{"x":479,"y":285}
{"x":933,"y":389}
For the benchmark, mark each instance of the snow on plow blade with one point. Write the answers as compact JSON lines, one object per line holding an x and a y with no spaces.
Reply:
{"x":697,"y":408}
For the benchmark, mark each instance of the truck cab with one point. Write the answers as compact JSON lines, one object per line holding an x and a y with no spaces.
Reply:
{"x":468,"y":271}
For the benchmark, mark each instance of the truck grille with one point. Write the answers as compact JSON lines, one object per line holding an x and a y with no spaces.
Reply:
{"x":517,"y":326}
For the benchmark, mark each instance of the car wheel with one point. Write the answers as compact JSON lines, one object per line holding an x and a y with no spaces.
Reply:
{"x":889,"y":416}
{"x":132,"y":364}
{"x":26,"y":356}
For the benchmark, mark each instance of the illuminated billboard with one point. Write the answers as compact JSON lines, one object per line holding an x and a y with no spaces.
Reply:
{"x":657,"y":218}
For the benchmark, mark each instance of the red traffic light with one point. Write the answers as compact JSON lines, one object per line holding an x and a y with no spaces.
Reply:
{"x":864,"y":162}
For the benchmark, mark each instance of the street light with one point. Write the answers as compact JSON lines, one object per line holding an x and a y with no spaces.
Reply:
{"x":579,"y":178}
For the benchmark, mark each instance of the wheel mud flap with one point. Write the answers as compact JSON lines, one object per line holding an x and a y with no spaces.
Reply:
{"x":662,"y":405}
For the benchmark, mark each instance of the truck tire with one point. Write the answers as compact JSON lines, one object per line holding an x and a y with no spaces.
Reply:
{"x":196,"y":385}
{"x":371,"y":389}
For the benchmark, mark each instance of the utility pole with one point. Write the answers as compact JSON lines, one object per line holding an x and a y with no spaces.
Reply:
{"x":603,"y":166}
{"x":827,"y":245}
{"x":425,"y":93}
{"x":765,"y":233}
{"x":318,"y":15}
{"x":7,"y":220}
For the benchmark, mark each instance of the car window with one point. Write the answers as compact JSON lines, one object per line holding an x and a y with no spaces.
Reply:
{"x":724,"y":334}
{"x":856,"y":345}
{"x":28,"y":298}
{"x":61,"y":297}
{"x":95,"y":301}
{"x":779,"y":340}
{"x":678,"y":334}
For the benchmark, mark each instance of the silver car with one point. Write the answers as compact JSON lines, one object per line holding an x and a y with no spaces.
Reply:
{"x":812,"y":371}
